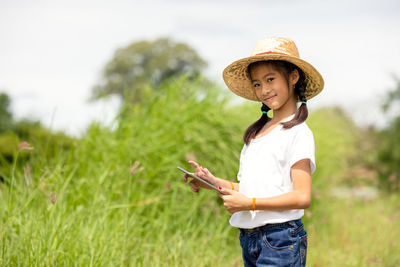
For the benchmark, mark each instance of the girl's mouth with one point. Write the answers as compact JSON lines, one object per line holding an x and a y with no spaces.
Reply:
{"x":269,"y":98}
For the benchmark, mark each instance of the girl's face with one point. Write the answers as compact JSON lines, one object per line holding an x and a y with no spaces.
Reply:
{"x":272,"y":87}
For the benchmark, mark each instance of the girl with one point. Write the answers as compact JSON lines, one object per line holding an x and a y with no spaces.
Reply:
{"x":277,"y":158}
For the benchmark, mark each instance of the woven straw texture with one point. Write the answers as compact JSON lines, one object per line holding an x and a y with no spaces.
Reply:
{"x":237,"y":78}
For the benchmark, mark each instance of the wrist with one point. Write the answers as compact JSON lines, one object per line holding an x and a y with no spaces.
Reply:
{"x":249,"y":203}
{"x":221,"y":182}
{"x":231,"y":184}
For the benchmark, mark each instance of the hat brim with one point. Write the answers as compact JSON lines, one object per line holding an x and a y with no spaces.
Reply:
{"x":237,"y":78}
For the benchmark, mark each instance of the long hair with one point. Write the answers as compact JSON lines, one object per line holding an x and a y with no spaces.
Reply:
{"x":285,"y":68}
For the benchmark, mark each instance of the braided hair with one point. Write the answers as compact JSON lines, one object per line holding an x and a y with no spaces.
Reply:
{"x":286,"y":68}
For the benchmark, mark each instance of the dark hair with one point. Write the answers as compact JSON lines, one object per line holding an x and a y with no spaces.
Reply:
{"x":286,"y":68}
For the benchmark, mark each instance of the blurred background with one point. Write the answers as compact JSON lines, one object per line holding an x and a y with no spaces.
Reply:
{"x":100,"y":101}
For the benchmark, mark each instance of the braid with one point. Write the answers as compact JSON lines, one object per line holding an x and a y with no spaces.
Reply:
{"x":264,"y":109}
{"x":302,"y":112}
{"x":256,"y":127}
{"x":300,"y":90}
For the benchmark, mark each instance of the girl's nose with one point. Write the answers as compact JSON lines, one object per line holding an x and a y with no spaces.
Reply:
{"x":265,"y":90}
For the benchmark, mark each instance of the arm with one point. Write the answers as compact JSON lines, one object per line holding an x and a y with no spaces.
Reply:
{"x":299,"y":198}
{"x":206,"y":175}
{"x":226,"y":184}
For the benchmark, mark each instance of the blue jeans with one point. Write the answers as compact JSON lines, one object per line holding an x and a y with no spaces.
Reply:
{"x":281,"y":244}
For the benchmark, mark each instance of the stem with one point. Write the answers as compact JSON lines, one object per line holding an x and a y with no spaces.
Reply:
{"x":12,"y":182}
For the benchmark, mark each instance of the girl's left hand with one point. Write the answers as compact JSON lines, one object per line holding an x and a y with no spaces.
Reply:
{"x":234,"y":201}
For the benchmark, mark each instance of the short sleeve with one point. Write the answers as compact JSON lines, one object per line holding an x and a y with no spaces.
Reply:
{"x":303,"y":147}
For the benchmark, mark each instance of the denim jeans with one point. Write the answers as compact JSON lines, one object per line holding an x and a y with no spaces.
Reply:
{"x":281,"y":244}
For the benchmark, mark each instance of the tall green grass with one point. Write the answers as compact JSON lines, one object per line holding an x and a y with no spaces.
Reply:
{"x":117,"y":199}
{"x":89,"y":207}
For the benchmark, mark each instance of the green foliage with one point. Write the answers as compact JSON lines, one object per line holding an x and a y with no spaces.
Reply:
{"x":8,"y":144}
{"x":336,"y":139}
{"x":393,"y":97}
{"x":341,"y":231}
{"x":109,"y":212}
{"x":5,"y":113}
{"x":47,"y":144}
{"x":388,"y":140}
{"x":14,"y":132}
{"x":145,"y":65}
{"x":388,"y":156}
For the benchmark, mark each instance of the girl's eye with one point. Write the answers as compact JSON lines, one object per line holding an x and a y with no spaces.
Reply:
{"x":270,"y":79}
{"x":256,"y":84}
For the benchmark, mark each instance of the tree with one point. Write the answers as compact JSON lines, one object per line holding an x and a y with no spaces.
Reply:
{"x":5,"y":113}
{"x":388,"y":155}
{"x":393,"y":96}
{"x":144,"y":66}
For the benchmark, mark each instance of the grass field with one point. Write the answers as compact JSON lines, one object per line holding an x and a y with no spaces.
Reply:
{"x":116,"y":198}
{"x":355,"y":232}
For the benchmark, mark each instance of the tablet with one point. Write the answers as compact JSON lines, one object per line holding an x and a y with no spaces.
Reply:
{"x":200,"y":180}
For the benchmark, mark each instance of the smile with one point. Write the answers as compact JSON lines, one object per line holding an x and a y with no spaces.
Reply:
{"x":269,"y":98}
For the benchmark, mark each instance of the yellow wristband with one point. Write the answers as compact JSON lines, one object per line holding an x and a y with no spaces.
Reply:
{"x":253,"y":205}
{"x":233,"y":187}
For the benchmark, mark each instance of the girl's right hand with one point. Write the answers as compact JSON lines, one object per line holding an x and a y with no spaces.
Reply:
{"x":201,"y":172}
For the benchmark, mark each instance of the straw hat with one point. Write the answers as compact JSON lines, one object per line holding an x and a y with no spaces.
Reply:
{"x":237,"y":78}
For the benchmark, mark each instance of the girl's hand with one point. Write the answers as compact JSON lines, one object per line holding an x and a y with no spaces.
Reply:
{"x":201,"y":172}
{"x":234,"y":201}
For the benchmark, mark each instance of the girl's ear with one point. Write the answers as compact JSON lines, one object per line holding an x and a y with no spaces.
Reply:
{"x":294,"y":77}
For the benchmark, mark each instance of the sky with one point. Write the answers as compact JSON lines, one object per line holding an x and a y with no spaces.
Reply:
{"x":52,"y":52}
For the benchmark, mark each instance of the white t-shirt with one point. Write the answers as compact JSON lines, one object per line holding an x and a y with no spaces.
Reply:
{"x":265,"y":171}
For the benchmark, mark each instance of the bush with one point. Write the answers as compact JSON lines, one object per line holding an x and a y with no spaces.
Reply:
{"x":388,"y":156}
{"x":47,"y":145}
